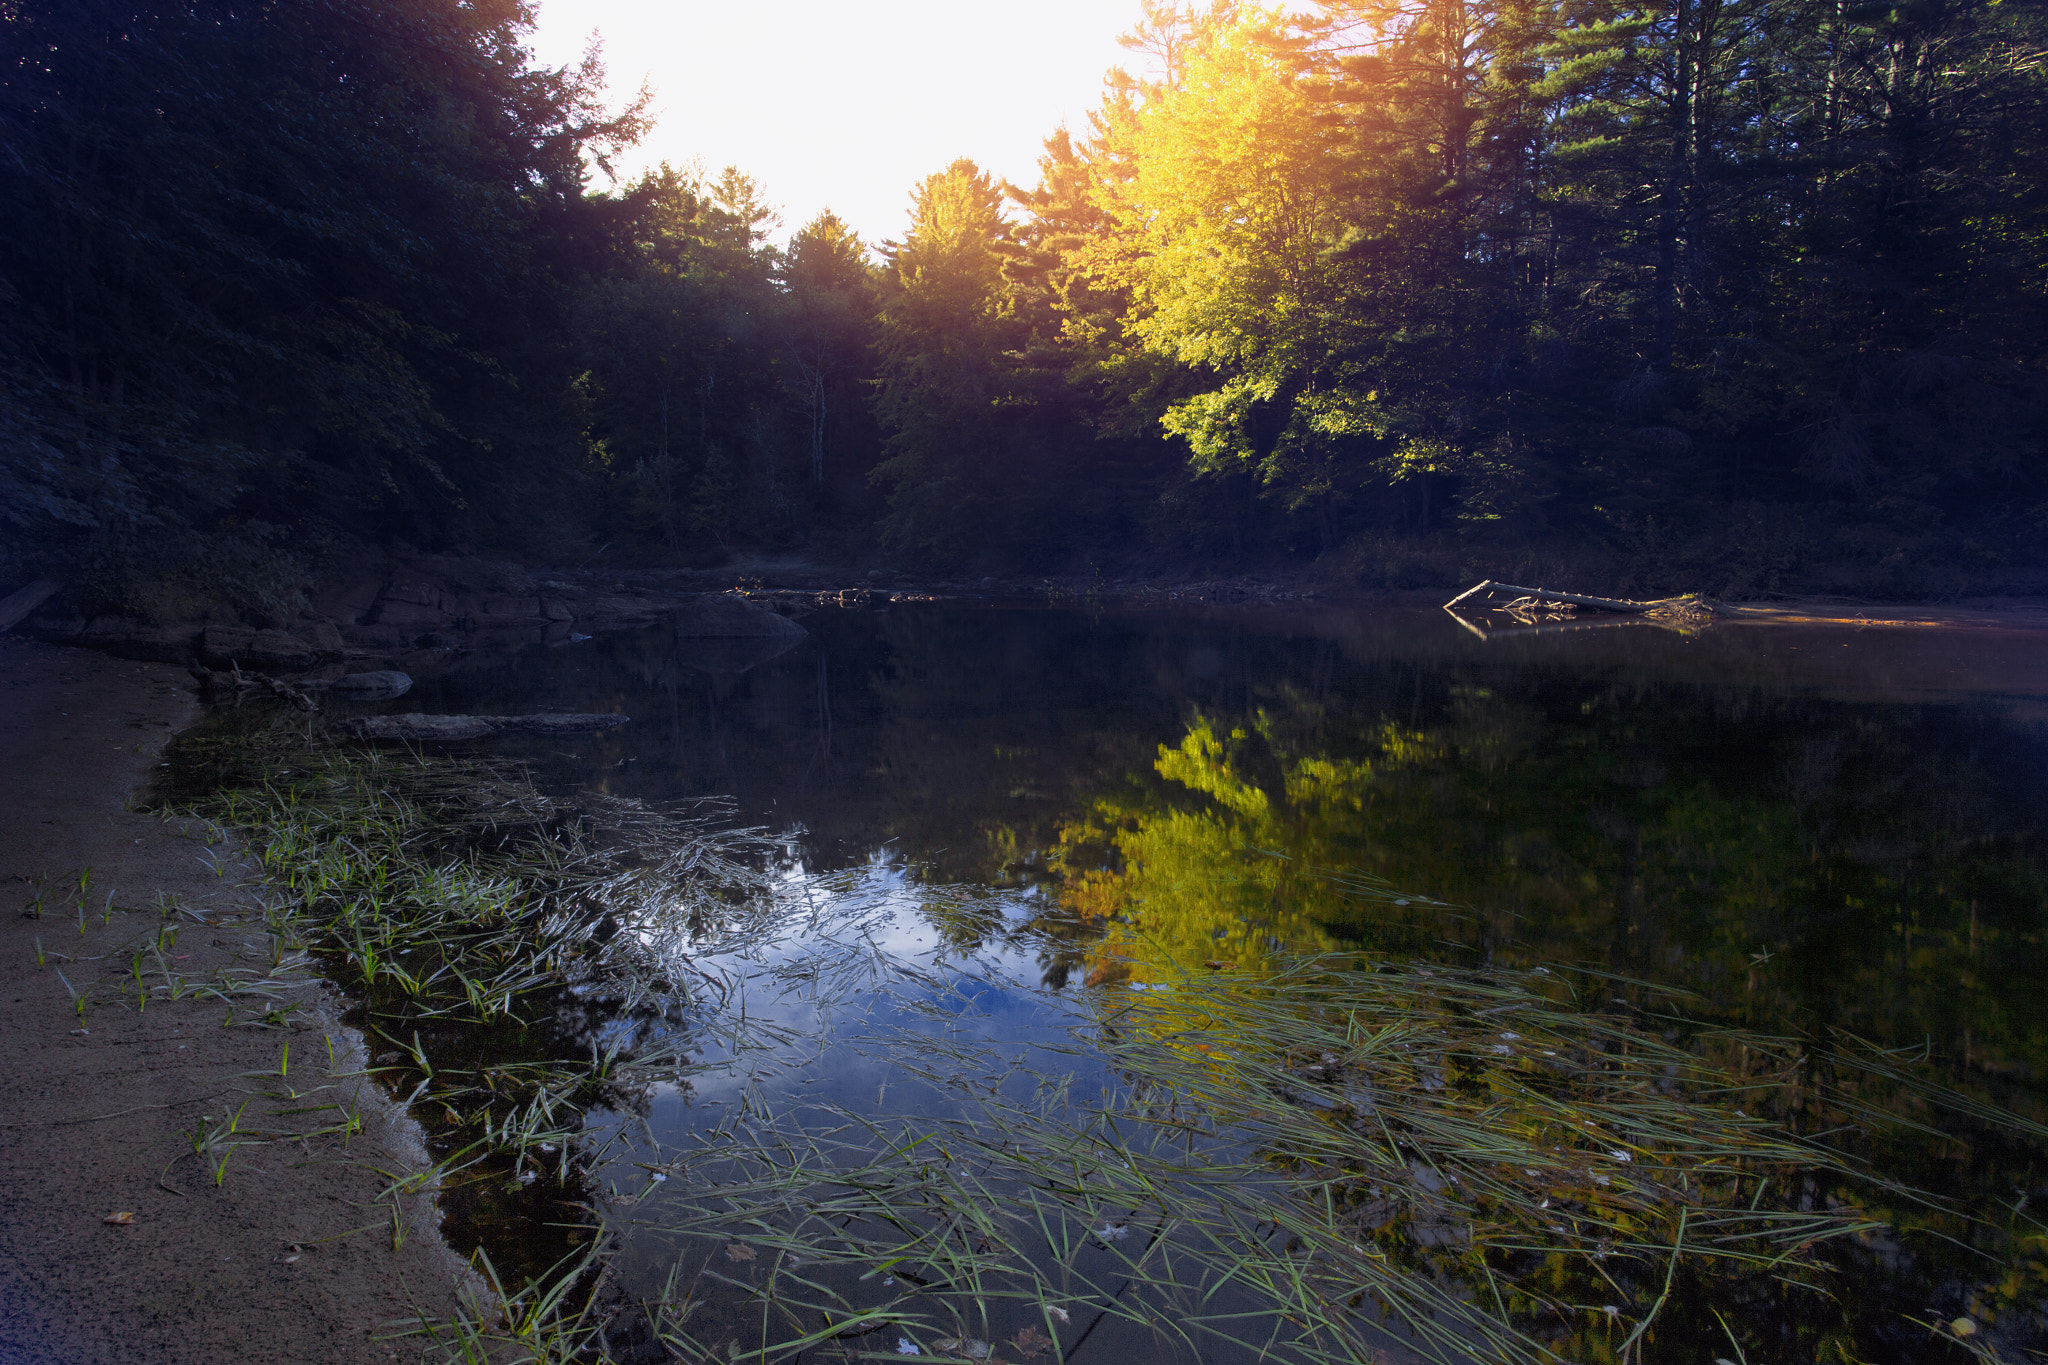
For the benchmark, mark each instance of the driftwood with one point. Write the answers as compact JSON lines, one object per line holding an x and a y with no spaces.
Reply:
{"x":1488,"y":586}
{"x":232,"y":682}
{"x":476,"y":727}
{"x":1534,"y":606}
{"x":16,"y":605}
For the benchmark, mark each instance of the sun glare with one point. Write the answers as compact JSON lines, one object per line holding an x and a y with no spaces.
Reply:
{"x":848,"y":106}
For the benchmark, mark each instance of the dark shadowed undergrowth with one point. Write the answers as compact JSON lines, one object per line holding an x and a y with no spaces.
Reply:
{"x":1335,"y":1159}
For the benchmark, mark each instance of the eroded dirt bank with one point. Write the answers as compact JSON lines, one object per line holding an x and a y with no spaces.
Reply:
{"x":289,"y":1256}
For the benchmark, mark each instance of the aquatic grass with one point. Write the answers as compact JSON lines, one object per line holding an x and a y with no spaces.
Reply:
{"x":553,"y":1319}
{"x":474,"y":919}
{"x":1334,"y":1159}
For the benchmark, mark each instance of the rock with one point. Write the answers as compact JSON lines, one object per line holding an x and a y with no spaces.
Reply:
{"x":20,"y":603}
{"x":562,"y":724}
{"x":46,"y":625}
{"x":737,"y":655}
{"x":729,"y":616}
{"x":230,"y":646}
{"x":378,"y":686}
{"x":422,"y":727}
{"x":413,"y":592}
{"x":476,"y":727}
{"x":350,"y":602}
{"x":128,"y":639}
{"x":404,"y":615}
{"x":496,"y":610}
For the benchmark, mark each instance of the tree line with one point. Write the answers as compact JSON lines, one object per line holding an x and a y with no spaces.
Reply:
{"x":1749,"y":292}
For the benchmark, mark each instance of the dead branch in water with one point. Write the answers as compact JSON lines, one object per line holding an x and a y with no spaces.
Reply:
{"x":1534,"y":606}
{"x":233,"y":682}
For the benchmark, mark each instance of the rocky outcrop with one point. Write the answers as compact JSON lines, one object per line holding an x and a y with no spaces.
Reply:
{"x":416,"y":727}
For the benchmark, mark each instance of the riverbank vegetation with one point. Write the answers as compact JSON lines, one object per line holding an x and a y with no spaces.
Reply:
{"x":1713,"y":293}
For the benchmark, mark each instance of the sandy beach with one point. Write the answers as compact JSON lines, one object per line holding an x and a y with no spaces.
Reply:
{"x":124,"y":1235}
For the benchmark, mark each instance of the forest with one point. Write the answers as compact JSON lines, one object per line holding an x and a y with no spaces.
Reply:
{"x":1733,"y":295}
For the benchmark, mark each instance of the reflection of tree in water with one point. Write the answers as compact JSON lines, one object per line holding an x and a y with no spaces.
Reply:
{"x":1796,"y":865}
{"x":1791,"y":861}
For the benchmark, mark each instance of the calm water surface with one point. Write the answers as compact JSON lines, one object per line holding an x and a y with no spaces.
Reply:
{"x":1806,"y":828}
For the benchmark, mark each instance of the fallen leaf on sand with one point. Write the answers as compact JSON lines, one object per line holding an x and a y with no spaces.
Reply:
{"x":739,"y":1252}
{"x":1031,"y":1341}
{"x":122,"y":1219}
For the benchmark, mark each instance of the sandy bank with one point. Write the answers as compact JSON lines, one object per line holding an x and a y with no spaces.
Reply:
{"x":290,"y":1256}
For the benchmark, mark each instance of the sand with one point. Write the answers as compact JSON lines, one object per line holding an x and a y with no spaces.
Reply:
{"x":290,"y":1256}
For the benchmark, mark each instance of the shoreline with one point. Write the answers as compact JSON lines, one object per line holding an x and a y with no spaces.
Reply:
{"x":419,"y":611}
{"x":290,"y":1254}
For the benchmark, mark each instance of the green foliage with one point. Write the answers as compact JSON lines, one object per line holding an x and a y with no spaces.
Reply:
{"x":275,"y":264}
{"x":1520,"y":271}
{"x":1613,"y":279}
{"x":946,"y":323}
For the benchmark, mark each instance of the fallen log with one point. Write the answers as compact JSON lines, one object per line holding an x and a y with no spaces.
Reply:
{"x":422,"y":727}
{"x":1532,"y":605}
{"x":1487,"y":585}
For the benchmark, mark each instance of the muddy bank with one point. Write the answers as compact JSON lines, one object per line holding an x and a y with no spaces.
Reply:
{"x":286,"y":1251}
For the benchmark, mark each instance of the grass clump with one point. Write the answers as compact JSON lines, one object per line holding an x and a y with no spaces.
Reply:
{"x":514,"y":960}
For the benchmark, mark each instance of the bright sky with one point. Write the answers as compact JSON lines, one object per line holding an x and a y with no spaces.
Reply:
{"x":847,"y":106}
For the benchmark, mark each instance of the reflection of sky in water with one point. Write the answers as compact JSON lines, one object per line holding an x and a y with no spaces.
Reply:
{"x":866,"y":995}
{"x":827,"y":991}
{"x":1720,"y":811}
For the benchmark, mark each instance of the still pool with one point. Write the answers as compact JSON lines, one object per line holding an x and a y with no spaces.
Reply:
{"x":1001,"y":834}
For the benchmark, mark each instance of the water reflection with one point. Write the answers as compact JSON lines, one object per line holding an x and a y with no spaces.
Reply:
{"x":987,"y":808}
{"x":1822,"y":827}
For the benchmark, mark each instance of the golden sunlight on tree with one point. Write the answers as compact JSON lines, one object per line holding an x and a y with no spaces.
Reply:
{"x":1235,"y":878}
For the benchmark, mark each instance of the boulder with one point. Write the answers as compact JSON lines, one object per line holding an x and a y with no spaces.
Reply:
{"x":737,"y":655}
{"x":378,"y":686}
{"x":497,"y":610}
{"x":59,"y":627}
{"x":729,"y":616}
{"x":417,"y":727}
{"x":350,"y":602}
{"x":413,"y":591}
{"x":408,"y":616}
{"x":20,"y":603}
